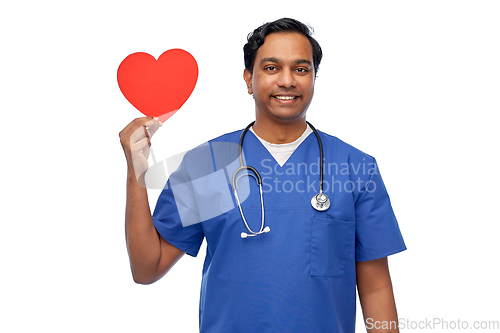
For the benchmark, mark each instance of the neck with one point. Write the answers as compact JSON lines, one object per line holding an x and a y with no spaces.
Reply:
{"x":279,"y":133}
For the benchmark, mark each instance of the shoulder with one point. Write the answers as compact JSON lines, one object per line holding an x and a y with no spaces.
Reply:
{"x":228,"y":137}
{"x":343,"y":149}
{"x":213,"y":154}
{"x":232,"y":137}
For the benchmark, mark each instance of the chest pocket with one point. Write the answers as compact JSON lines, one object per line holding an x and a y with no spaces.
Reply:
{"x":332,"y":245}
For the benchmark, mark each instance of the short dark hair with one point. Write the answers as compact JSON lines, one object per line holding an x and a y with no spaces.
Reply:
{"x":256,"y":39}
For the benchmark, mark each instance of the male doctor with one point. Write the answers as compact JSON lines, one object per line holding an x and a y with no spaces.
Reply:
{"x":302,"y":275}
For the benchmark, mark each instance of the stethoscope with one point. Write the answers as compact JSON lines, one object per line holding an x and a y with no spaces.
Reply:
{"x":320,"y":201}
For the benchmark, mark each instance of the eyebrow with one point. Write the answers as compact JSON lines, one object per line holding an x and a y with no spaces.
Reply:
{"x":298,"y":61}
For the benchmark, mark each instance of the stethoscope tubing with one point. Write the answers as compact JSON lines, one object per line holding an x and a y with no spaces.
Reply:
{"x":242,"y":166}
{"x":314,"y":201}
{"x":320,"y":144}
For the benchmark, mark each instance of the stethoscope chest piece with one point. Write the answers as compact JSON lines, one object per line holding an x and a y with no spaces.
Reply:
{"x":320,"y":202}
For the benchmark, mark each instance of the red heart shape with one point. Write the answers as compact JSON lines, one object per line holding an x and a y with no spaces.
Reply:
{"x":158,"y":88}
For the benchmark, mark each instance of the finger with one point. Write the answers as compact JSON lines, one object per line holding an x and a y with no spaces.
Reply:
{"x":145,"y":152}
{"x":152,"y":127}
{"x":154,"y":121}
{"x":134,"y":124}
{"x":152,"y":130}
{"x":139,"y":134}
{"x":130,"y":135}
{"x":140,"y":145}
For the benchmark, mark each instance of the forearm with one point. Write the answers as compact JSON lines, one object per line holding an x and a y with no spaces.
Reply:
{"x":376,"y":296}
{"x":143,"y":243}
{"x":379,"y":311}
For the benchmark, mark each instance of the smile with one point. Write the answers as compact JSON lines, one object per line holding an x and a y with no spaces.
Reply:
{"x":285,"y":98}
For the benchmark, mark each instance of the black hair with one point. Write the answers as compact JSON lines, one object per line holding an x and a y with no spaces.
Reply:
{"x":256,"y":39}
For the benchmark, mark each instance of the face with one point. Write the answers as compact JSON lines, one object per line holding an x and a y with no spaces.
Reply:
{"x":282,"y":81}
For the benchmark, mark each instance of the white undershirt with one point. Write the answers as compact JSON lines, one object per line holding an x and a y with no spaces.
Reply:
{"x":281,"y":152}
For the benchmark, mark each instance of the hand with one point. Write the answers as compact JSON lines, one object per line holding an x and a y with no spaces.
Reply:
{"x":136,"y":140}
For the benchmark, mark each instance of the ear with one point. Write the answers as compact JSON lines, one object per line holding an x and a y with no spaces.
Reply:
{"x":247,"y":76}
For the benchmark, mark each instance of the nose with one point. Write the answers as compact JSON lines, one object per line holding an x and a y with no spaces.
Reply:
{"x":285,"y":79}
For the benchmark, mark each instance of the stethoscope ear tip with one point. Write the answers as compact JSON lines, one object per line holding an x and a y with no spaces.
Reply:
{"x":267,"y":229}
{"x":244,"y":235}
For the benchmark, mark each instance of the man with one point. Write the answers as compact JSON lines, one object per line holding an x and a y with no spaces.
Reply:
{"x":301,"y":276}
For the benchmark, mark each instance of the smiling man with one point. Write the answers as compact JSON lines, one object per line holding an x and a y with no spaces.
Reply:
{"x":326,"y":222}
{"x":281,"y":79}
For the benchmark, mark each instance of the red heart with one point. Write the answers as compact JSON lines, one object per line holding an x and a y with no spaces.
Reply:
{"x":158,"y":88}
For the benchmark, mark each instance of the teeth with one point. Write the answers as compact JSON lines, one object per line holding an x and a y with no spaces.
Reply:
{"x":285,"y":97}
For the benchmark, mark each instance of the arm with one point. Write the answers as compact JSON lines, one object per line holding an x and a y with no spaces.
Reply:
{"x":150,"y":255}
{"x":376,"y":296}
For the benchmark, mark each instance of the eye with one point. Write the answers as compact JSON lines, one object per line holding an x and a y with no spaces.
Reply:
{"x":270,"y":68}
{"x":302,"y":70}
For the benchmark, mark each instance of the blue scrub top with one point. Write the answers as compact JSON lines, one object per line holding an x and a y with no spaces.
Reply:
{"x":299,"y":277}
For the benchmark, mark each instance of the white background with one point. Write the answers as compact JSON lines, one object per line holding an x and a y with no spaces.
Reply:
{"x":413,"y":83}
